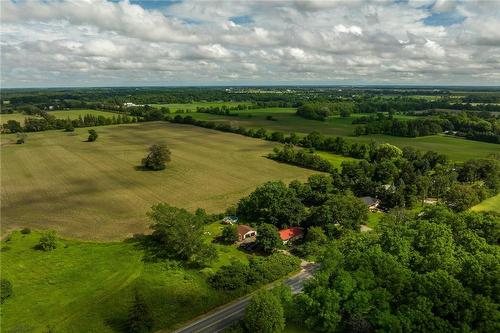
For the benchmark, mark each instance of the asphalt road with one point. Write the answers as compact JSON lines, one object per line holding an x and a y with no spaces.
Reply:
{"x":228,"y":315}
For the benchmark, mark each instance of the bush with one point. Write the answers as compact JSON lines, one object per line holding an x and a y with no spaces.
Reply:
{"x":92,"y":135}
{"x":229,"y":234}
{"x":48,"y":241}
{"x":5,"y":290}
{"x":26,"y":231}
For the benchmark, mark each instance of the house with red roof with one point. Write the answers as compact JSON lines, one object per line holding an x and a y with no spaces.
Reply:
{"x":289,"y":234}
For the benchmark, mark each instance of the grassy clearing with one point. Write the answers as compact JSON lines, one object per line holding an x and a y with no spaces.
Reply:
{"x":491,"y":204}
{"x":62,"y":114}
{"x":286,"y":121}
{"x":94,"y":191}
{"x":374,"y":219}
{"x":193,"y":106}
{"x":335,"y":160}
{"x":88,"y":287}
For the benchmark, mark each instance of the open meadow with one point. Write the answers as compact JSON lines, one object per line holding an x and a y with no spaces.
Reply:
{"x":89,"y":287}
{"x":491,"y":204}
{"x":96,"y":191}
{"x":285,"y":120}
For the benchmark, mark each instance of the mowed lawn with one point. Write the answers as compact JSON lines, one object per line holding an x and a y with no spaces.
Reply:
{"x":285,"y":120}
{"x":95,"y":191}
{"x":491,"y":204}
{"x":89,"y":287}
{"x":62,"y":114}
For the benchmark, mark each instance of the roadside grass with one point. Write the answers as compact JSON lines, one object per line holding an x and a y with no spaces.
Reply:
{"x":457,"y":149}
{"x":61,"y":114}
{"x":491,"y":204}
{"x":94,"y":191}
{"x":88,"y":287}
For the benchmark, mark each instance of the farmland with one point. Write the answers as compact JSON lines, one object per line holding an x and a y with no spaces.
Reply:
{"x":62,"y":114}
{"x":95,"y":191}
{"x":88,"y":287}
{"x":285,"y":120}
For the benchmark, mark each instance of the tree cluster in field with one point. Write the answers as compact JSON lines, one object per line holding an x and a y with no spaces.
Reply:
{"x":157,"y":157}
{"x":241,"y":278}
{"x":179,"y":234}
{"x":432,"y":272}
{"x":323,"y":110}
{"x":49,"y":122}
{"x":304,"y":158}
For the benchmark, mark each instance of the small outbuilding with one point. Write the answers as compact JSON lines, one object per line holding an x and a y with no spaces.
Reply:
{"x":245,"y":231}
{"x":372,"y":203}
{"x":290,"y":234}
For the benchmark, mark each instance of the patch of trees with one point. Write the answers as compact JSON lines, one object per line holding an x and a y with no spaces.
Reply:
{"x":50,"y":122}
{"x":304,"y":158}
{"x":48,"y":241}
{"x":241,"y":278}
{"x":405,"y":128}
{"x":323,"y":110}
{"x":157,"y":157}
{"x":178,"y":234}
{"x":436,"y":272}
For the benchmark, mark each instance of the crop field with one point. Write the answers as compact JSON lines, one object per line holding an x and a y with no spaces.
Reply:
{"x":96,"y":191}
{"x":88,"y":287}
{"x":491,"y":204}
{"x":62,"y":114}
{"x":285,"y":120}
{"x":191,"y":107}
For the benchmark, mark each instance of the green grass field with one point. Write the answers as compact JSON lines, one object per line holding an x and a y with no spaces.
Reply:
{"x":94,"y":191}
{"x":88,"y":287}
{"x":62,"y":114}
{"x":286,"y":121}
{"x":491,"y":204}
{"x":192,"y":106}
{"x":335,"y":160}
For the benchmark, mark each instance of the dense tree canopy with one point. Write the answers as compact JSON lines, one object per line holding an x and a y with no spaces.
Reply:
{"x":429,"y":273}
{"x":179,"y":234}
{"x":264,"y":313}
{"x":272,"y":203}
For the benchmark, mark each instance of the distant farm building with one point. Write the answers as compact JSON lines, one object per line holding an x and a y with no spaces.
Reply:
{"x":290,"y":234}
{"x":372,"y":203}
{"x":245,"y":231}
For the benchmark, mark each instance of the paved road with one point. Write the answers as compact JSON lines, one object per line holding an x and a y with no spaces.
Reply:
{"x":227,"y":315}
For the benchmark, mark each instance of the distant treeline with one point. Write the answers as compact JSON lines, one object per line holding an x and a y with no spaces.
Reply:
{"x":322,"y":110}
{"x":482,"y":126}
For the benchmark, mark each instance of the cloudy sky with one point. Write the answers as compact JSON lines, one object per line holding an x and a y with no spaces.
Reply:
{"x":117,"y":43}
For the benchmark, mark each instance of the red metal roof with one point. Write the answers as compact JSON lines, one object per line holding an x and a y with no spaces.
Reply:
{"x":286,"y":234}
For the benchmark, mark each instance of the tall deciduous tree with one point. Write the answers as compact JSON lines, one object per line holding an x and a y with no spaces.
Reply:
{"x":157,"y":157}
{"x":268,"y":238}
{"x":264,"y":314}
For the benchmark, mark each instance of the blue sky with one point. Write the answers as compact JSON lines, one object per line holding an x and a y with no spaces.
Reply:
{"x":99,"y":42}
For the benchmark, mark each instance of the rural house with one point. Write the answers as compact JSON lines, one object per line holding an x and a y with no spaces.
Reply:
{"x":244,"y":231}
{"x":372,"y":203}
{"x":289,"y":234}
